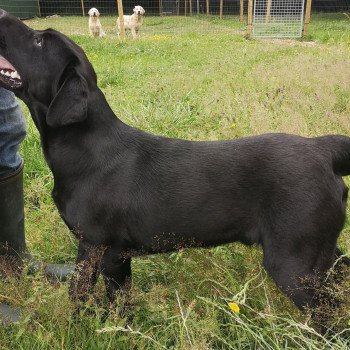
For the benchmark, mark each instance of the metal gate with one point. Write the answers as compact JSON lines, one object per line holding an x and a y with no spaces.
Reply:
{"x":21,"y":8}
{"x":278,"y":18}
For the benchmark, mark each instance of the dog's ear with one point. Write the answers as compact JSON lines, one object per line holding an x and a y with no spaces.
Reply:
{"x":134,"y":10}
{"x":90,"y":12}
{"x":69,"y":105}
{"x":143,"y":11}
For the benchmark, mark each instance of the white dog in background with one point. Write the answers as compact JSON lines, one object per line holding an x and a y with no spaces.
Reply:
{"x":95,"y":27}
{"x":133,"y":22}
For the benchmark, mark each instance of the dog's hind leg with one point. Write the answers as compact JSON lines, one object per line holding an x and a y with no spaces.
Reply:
{"x":116,"y":271}
{"x":299,"y":268}
{"x":87,"y":270}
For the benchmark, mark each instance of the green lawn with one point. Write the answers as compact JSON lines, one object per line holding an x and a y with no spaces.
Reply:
{"x":198,"y":79}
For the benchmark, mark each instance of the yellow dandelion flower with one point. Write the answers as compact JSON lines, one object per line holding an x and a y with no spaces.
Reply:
{"x":234,"y":307}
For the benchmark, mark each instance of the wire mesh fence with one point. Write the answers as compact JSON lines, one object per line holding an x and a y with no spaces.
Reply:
{"x":109,"y":7}
{"x":278,"y":18}
{"x":161,"y":15}
{"x":153,"y":7}
{"x":281,"y":18}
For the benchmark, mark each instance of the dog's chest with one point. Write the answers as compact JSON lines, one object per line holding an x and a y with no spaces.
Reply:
{"x":95,"y":27}
{"x":133,"y":22}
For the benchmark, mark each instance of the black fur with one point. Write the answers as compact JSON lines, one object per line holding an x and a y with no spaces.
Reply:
{"x":124,"y":192}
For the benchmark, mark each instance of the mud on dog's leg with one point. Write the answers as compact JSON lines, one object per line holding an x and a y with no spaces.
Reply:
{"x":88,"y":265}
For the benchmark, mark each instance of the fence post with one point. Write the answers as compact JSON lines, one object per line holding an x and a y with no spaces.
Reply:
{"x":39,"y":11}
{"x":83,"y":7}
{"x":307,"y":16}
{"x":250,"y":19}
{"x":197,"y":7}
{"x":160,"y":7}
{"x":190,"y":7}
{"x":121,"y":18}
{"x":268,"y":10}
{"x":207,"y":5}
{"x":221,"y":8}
{"x":241,"y":10}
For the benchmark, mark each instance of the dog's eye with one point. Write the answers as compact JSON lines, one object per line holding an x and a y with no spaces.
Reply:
{"x":38,"y":41}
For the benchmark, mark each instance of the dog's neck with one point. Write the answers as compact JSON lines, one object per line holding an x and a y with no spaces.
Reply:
{"x":100,"y":120}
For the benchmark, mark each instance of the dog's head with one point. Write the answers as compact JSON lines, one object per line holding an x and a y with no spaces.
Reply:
{"x":139,"y":10}
{"x":93,"y":12}
{"x":47,"y":70}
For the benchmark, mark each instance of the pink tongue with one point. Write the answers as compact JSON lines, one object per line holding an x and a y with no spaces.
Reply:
{"x":5,"y":64}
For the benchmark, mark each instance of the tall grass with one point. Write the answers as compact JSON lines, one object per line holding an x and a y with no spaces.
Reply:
{"x":184,"y":80}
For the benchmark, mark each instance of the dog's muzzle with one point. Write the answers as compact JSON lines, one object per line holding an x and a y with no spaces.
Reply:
{"x":8,"y":74}
{"x":2,"y":13}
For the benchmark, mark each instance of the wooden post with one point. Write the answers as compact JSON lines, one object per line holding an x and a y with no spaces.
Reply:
{"x":250,"y":19}
{"x":241,"y":10}
{"x":160,"y":7}
{"x":185,"y":7}
{"x":307,"y":16}
{"x":197,"y":7}
{"x":221,"y":7}
{"x":39,"y":12}
{"x":207,"y":5}
{"x":83,"y":7}
{"x":190,"y":7}
{"x":178,"y":7}
{"x":121,"y":19}
{"x":268,"y":10}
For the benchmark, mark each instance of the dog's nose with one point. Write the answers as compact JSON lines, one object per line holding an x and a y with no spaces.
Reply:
{"x":2,"y":13}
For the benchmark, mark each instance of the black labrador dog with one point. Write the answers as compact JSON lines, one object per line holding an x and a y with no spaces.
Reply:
{"x":123,"y":192}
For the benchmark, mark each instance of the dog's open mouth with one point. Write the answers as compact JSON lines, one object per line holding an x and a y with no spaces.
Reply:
{"x":9,"y":74}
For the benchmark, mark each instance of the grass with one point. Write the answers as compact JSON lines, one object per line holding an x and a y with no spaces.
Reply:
{"x":195,"y":79}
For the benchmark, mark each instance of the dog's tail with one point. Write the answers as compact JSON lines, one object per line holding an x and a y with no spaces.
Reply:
{"x":339,"y":148}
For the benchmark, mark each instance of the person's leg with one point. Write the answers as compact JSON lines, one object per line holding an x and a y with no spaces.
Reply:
{"x":12,"y":236}
{"x":12,"y":132}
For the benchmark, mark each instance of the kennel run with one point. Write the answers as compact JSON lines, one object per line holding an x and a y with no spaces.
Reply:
{"x":257,"y":18}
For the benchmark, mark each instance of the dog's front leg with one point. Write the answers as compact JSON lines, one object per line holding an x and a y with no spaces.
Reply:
{"x":116,"y":271}
{"x":133,"y":32}
{"x":87,"y":271}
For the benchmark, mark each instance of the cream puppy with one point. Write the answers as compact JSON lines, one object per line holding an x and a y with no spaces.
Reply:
{"x":95,"y":27}
{"x":133,"y":22}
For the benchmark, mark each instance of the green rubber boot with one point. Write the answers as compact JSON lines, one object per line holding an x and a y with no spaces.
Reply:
{"x":12,"y":240}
